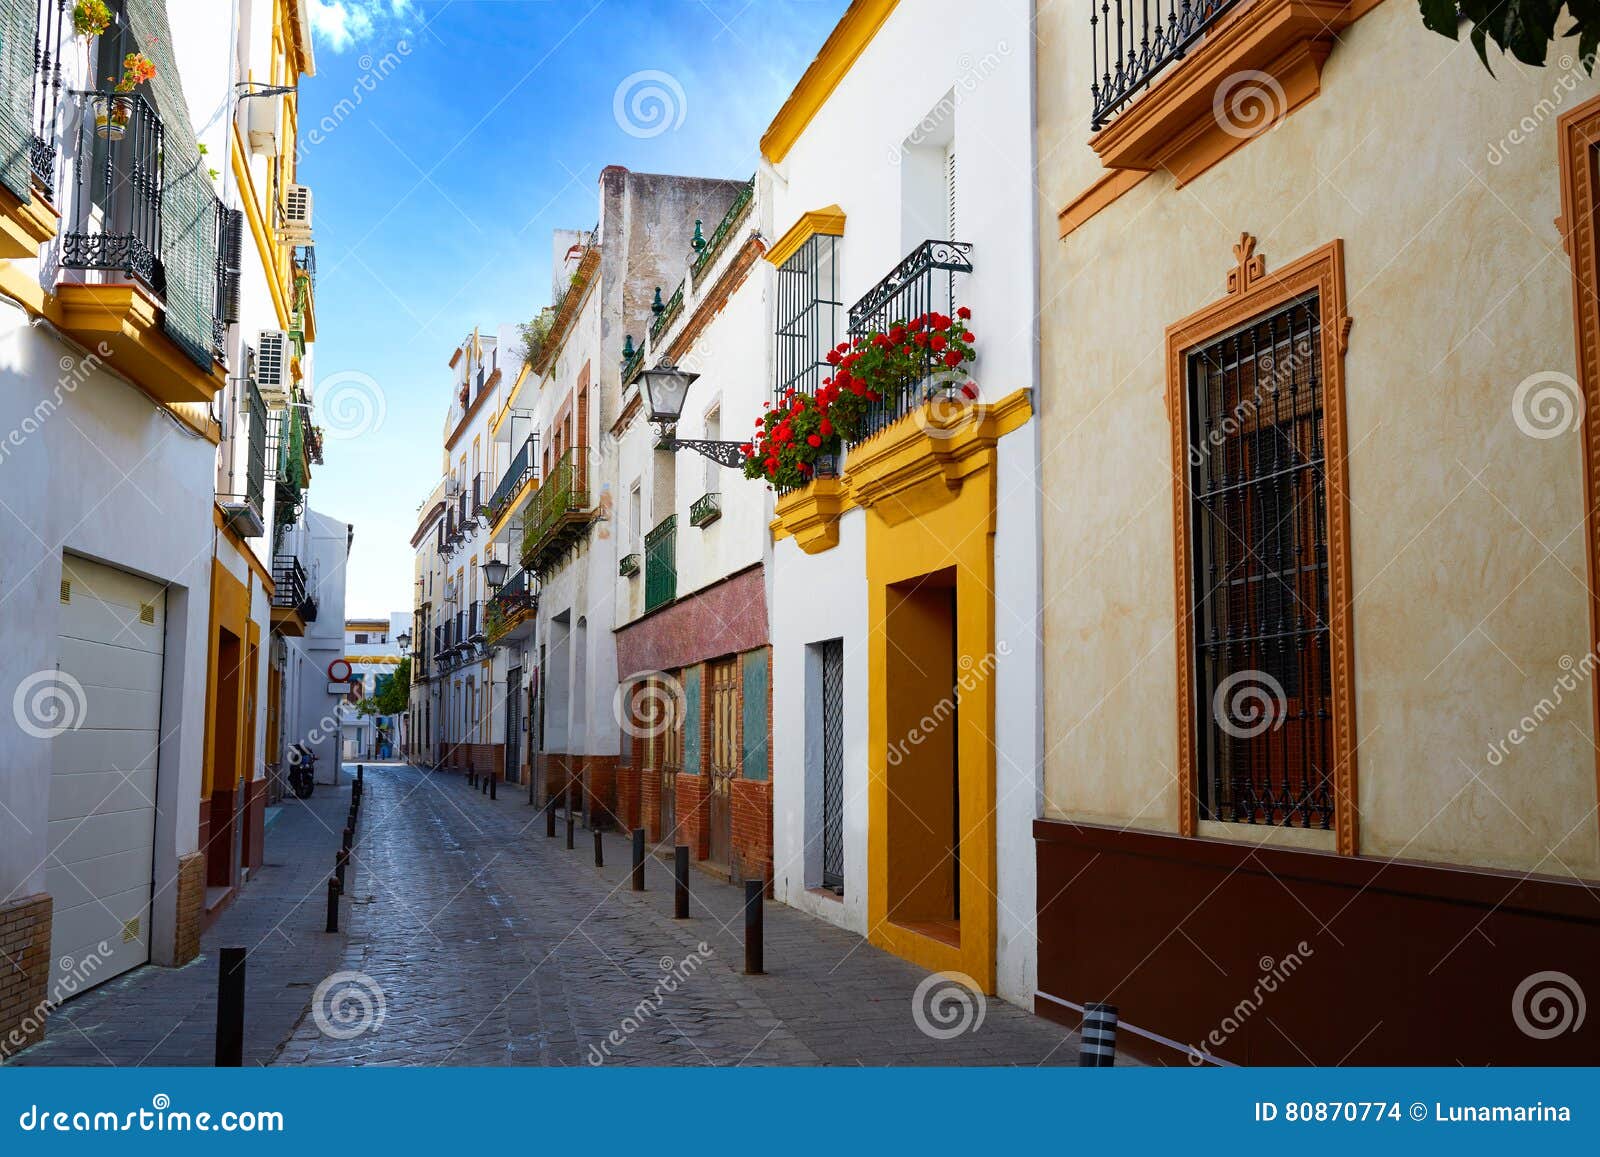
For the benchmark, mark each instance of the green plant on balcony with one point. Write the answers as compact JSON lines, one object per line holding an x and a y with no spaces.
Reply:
{"x":494,"y":621}
{"x":629,"y":565}
{"x":559,"y":508}
{"x":706,"y":509}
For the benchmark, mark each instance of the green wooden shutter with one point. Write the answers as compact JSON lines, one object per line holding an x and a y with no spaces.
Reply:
{"x":19,"y":28}
{"x":755,"y":715}
{"x":188,"y":201}
{"x":691,"y":721}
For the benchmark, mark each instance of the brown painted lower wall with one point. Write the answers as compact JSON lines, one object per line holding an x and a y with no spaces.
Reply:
{"x":630,"y":783}
{"x":752,"y":829}
{"x":599,"y":779}
{"x":1267,"y":956}
{"x":191,"y":908}
{"x":692,"y":805}
{"x":255,"y":823}
{"x":24,"y":971}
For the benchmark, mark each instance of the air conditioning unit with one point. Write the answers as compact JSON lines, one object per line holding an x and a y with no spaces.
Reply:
{"x":452,"y":486}
{"x":297,"y":214}
{"x":272,"y":367}
{"x":265,"y":115}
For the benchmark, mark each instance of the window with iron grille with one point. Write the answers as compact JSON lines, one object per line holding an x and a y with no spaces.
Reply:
{"x":1258,"y":572}
{"x":809,"y":321}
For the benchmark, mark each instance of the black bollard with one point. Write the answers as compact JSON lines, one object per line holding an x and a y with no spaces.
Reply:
{"x":550,"y":818}
{"x":230,"y":1009}
{"x":341,"y":860}
{"x":530,"y":787}
{"x":349,"y":835}
{"x":754,"y":927}
{"x":599,"y":856}
{"x":680,"y":882}
{"x":638,"y":859}
{"x":569,"y":829}
{"x":1097,"y":1048}
{"x":333,"y":905}
{"x":493,"y":780}
{"x":361,"y":775}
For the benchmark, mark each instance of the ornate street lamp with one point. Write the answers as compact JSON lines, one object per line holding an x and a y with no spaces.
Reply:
{"x":404,"y":639}
{"x":665,"y":389}
{"x":494,"y":573}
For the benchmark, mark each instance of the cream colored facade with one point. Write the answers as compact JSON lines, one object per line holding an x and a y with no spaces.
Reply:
{"x":1467,"y":537}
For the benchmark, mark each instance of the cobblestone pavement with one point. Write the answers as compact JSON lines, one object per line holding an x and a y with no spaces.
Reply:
{"x":493,"y":945}
{"x":479,"y":941}
{"x":167,"y":1016}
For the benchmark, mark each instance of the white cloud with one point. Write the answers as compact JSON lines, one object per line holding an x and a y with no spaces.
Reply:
{"x":339,"y":24}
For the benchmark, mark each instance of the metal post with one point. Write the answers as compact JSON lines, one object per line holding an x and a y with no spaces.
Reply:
{"x":333,"y":905}
{"x":493,"y":779}
{"x":550,"y":818}
{"x":680,"y":882}
{"x":530,"y":786}
{"x":569,"y":829}
{"x":1097,"y":1048}
{"x":599,"y":856}
{"x":230,"y":1009}
{"x":361,"y":774}
{"x":349,"y":835}
{"x":638,"y":859}
{"x":754,"y":921}
{"x":341,"y":860}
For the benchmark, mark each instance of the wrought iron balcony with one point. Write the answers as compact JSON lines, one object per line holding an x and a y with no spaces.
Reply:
{"x":925,"y":281}
{"x":628,"y":565}
{"x":474,"y":613}
{"x":559,"y":512}
{"x":291,"y":589}
{"x":511,"y":606}
{"x":666,"y":312}
{"x":477,"y":496}
{"x":718,"y":241}
{"x":116,"y":217}
{"x":305,"y":263}
{"x":706,"y":509}
{"x":523,"y":469}
{"x":245,"y":498}
{"x":661,"y":563}
{"x":47,"y":53}
{"x":1132,"y":41}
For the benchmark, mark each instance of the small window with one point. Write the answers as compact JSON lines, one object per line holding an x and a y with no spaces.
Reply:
{"x":809,"y":321}
{"x":360,"y":639}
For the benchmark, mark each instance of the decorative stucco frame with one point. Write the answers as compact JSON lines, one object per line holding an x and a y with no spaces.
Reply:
{"x":1578,"y":136}
{"x":1251,"y":291}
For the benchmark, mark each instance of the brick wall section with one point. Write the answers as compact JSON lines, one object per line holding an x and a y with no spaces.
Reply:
{"x":629,"y":787}
{"x":752,"y":829}
{"x":191,"y":908}
{"x":600,"y":790}
{"x":650,"y":803}
{"x":24,"y":970}
{"x":692,"y":806}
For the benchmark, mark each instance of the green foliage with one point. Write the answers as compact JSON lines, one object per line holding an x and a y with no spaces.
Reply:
{"x":394,"y":692}
{"x":534,"y":333}
{"x":1522,"y":28}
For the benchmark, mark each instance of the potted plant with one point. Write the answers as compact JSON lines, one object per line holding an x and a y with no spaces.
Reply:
{"x":930,"y":351}
{"x":111,"y":113}
{"x":90,"y":17}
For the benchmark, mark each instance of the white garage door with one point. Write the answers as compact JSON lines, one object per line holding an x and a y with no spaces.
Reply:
{"x":103,"y":774}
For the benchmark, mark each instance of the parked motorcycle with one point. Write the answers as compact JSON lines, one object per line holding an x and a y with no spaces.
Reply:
{"x":302,"y":771}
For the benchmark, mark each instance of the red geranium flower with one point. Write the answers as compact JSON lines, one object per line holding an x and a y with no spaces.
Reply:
{"x":952,"y":358}
{"x":966,"y":336}
{"x":938,"y":342}
{"x":813,"y":441}
{"x":963,"y":313}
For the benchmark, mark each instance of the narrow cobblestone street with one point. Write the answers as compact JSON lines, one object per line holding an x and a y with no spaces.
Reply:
{"x":493,"y":945}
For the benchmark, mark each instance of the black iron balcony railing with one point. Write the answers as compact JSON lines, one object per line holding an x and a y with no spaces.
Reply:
{"x":706,"y":509}
{"x":925,"y":281}
{"x":661,"y":563}
{"x":524,"y":467}
{"x":718,"y":241}
{"x":1132,"y":41}
{"x":305,"y":263}
{"x":247,"y":473}
{"x":478,"y":496}
{"x":116,"y":217}
{"x":291,"y":590}
{"x":47,"y":52}
{"x":558,"y":511}
{"x":475,"y":622}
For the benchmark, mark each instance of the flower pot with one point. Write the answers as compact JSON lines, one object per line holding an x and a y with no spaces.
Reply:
{"x":111,"y":115}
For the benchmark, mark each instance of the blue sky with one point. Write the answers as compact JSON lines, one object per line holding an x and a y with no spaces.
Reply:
{"x":443,"y":142}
